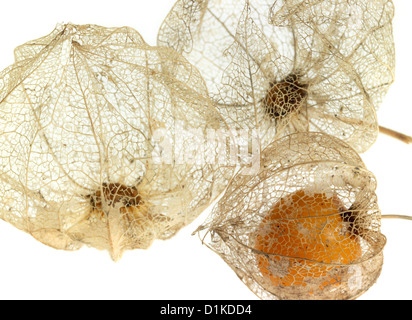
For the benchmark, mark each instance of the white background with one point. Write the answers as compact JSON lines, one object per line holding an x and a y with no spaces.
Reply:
{"x":182,"y":268}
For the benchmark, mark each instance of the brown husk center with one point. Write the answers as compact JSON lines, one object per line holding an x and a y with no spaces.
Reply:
{"x":114,"y":193}
{"x":285,"y":97}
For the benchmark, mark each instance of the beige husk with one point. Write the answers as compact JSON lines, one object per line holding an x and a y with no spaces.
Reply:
{"x":314,"y":163}
{"x":98,"y":144}
{"x":324,"y":66}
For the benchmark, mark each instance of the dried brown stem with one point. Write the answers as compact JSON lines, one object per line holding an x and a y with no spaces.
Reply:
{"x":395,"y":134}
{"x":396,"y":216}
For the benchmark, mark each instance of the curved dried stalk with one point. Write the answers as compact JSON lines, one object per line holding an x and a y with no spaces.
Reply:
{"x":396,"y":216}
{"x":101,"y":143}
{"x":395,"y":134}
{"x":307,"y":226}
{"x":290,"y":65}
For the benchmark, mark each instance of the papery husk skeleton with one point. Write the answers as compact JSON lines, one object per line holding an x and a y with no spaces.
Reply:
{"x":322,"y":65}
{"x":92,"y":119}
{"x":311,"y":163}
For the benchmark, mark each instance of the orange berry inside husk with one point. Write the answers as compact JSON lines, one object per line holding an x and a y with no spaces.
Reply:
{"x":308,"y":242}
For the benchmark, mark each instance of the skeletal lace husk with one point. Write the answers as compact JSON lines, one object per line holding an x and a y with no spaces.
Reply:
{"x":94,"y":128}
{"x":341,"y":52}
{"x":311,"y":163}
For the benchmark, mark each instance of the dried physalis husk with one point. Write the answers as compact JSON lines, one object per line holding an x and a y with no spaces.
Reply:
{"x":325,"y":66}
{"x":358,"y":32}
{"x":307,"y":226}
{"x":100,"y":145}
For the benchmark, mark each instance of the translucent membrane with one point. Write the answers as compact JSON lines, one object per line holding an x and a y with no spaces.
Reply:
{"x":287,"y":66}
{"x":103,"y":140}
{"x":307,"y":226}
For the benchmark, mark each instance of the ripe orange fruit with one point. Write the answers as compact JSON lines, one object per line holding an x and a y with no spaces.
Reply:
{"x":308,"y":240}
